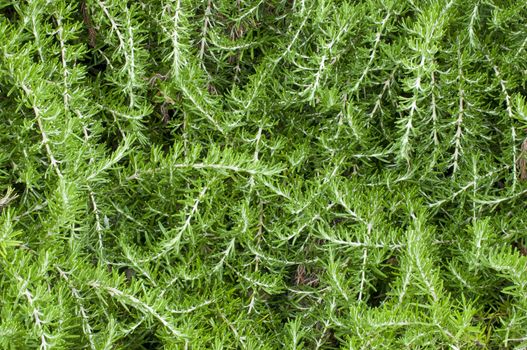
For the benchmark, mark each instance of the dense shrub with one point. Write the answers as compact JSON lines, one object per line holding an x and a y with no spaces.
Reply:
{"x":263,"y":174}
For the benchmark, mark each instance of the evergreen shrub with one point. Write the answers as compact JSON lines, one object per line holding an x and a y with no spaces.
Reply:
{"x":263,"y":174}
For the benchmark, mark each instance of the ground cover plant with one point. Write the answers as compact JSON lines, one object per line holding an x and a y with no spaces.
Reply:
{"x":263,"y":174}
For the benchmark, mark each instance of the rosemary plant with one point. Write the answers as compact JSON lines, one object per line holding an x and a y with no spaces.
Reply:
{"x":250,"y":174}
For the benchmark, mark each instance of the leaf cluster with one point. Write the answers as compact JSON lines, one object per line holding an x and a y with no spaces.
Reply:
{"x":214,"y":174}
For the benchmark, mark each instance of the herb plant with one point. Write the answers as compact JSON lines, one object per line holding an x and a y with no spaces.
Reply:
{"x":250,"y":174}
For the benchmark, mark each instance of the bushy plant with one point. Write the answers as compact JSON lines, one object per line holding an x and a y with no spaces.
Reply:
{"x":250,"y":174}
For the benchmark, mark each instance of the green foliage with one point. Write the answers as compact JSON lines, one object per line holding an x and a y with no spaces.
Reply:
{"x":249,"y":174}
